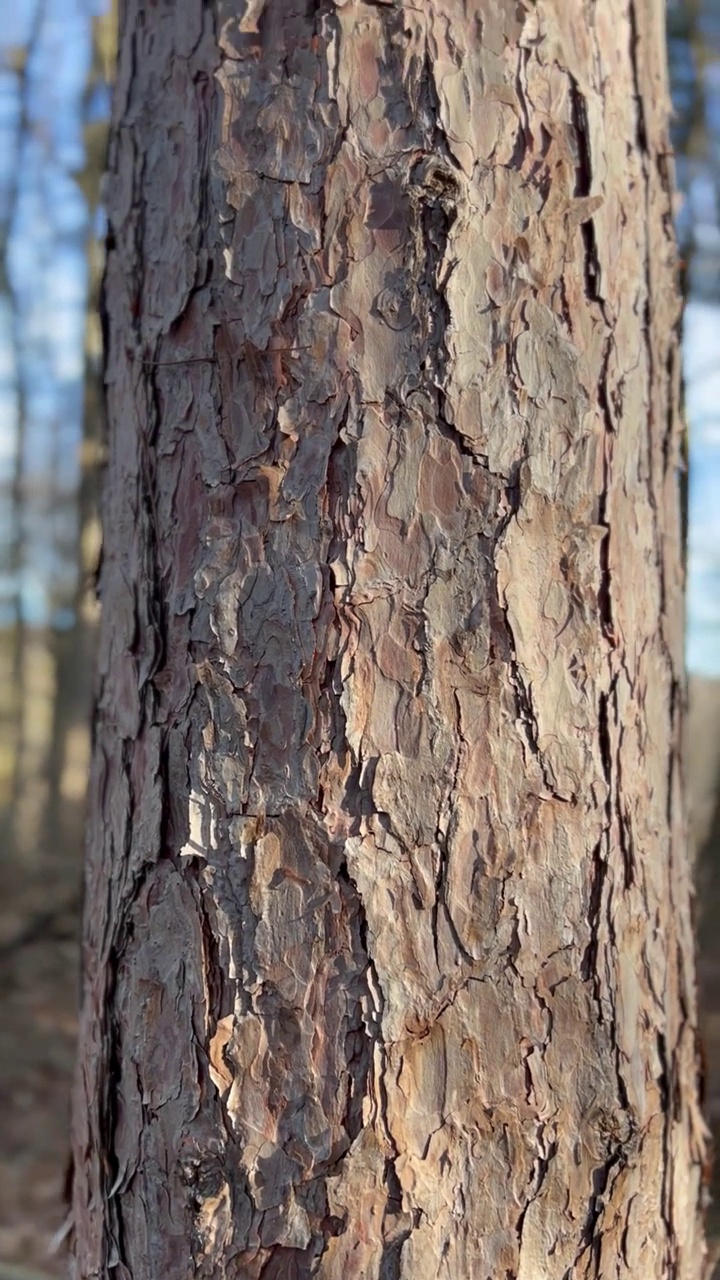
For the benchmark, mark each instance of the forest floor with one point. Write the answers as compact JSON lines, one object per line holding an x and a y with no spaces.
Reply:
{"x":703,"y":769}
{"x":39,"y":955}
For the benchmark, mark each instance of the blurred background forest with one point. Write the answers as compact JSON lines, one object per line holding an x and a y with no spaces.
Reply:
{"x":56,"y":67}
{"x":56,"y":64}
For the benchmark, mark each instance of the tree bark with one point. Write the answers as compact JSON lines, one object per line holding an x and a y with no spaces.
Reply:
{"x":388,"y":946}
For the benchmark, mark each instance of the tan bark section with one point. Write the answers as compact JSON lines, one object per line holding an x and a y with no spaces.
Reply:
{"x":388,"y":948}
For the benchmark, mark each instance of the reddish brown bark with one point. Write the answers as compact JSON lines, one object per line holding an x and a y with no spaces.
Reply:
{"x":388,"y":954}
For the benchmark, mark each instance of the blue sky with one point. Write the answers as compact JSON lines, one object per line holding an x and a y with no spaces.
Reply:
{"x":44,"y":214}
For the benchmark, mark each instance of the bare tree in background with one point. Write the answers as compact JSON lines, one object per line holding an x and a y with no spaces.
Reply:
{"x":388,"y":950}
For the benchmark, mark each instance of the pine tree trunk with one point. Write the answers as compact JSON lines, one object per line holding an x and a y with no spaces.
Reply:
{"x":388,"y":948}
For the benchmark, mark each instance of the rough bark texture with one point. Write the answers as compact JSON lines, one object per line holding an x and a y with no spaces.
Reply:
{"x":388,"y":947}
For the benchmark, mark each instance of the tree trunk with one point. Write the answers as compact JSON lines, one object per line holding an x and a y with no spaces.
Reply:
{"x":388,"y":947}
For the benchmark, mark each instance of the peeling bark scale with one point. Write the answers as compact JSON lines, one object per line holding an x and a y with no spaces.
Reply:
{"x":388,"y":948}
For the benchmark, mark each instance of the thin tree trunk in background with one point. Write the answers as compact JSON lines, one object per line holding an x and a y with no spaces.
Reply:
{"x":388,"y":950}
